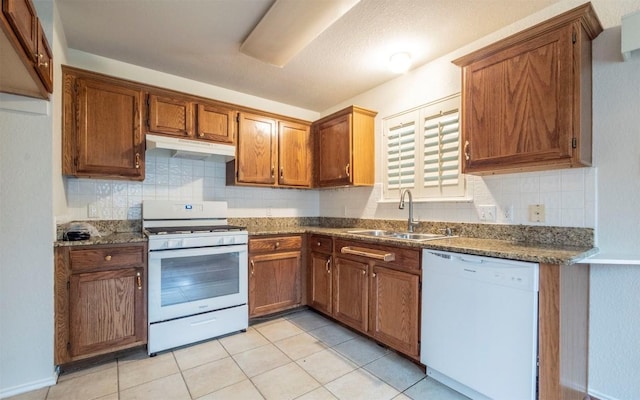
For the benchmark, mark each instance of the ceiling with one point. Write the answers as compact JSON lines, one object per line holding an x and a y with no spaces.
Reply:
{"x":200,"y":40}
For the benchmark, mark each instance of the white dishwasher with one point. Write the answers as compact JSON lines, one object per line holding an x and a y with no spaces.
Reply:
{"x":480,"y":324}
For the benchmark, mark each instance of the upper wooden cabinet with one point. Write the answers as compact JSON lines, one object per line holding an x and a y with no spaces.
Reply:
{"x":101,"y":135}
{"x":345,"y":148}
{"x":27,"y":60}
{"x":271,"y":152}
{"x":190,"y":117}
{"x":526,"y":100}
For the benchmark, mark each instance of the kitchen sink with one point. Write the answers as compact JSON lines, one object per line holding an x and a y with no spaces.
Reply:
{"x":399,"y":235}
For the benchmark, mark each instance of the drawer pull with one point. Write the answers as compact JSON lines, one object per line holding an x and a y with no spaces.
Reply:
{"x":107,"y":258}
{"x":319,"y":244}
{"x":370,"y":253}
{"x":139,"y":280}
{"x":277,"y":244}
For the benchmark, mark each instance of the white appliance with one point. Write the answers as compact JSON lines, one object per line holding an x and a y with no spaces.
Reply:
{"x":480,"y":325}
{"x":197,"y":273}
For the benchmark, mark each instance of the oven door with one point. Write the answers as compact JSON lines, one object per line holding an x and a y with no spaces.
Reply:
{"x":184,"y":282}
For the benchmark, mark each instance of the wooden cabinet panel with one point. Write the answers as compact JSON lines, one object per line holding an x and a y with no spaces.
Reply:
{"x":294,"y":154}
{"x":279,"y":243}
{"x":100,"y":307}
{"x":320,"y":287}
{"x":256,"y":151}
{"x":345,"y":148}
{"x":215,"y":123}
{"x":21,"y":15}
{"x":170,"y":116}
{"x":26,"y":62}
{"x":274,"y":282}
{"x":351,"y":293}
{"x":106,"y":310}
{"x":395,"y":308}
{"x":526,"y":100}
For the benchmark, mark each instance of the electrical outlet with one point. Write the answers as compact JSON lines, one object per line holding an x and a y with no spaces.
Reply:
{"x":487,"y":213}
{"x":92,"y":211}
{"x":507,"y":213}
{"x":536,"y":213}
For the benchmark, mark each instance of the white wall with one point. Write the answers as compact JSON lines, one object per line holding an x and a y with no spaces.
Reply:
{"x":26,"y":236}
{"x":615,"y":289}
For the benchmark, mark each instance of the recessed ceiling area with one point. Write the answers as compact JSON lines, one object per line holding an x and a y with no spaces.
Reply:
{"x":201,"y":40}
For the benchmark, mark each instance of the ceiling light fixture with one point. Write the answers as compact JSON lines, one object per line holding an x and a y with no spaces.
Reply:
{"x":400,"y":62}
{"x":289,"y":26}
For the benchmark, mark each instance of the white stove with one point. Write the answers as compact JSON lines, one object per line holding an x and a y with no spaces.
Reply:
{"x":198,"y":284}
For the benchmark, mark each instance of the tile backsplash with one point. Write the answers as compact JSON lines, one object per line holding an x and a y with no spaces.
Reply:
{"x":568,"y":196}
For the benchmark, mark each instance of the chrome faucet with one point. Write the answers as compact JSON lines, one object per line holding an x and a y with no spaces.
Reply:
{"x":411,"y":223}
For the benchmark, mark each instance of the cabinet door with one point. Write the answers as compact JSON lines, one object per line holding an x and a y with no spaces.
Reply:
{"x":107,"y":311}
{"x":334,"y":152}
{"x":22,"y":16}
{"x":171,"y":116}
{"x":519,"y":105}
{"x":320,"y":288}
{"x":44,"y":60}
{"x":274,"y":282}
{"x":395,"y":299}
{"x":215,"y":123}
{"x":257,"y":145}
{"x":351,"y":294}
{"x":294,"y":154}
{"x":109,"y":138}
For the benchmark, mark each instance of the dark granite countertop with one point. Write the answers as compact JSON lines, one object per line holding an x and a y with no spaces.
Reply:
{"x":113,"y":238}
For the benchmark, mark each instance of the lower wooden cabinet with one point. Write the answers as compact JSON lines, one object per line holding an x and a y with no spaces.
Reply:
{"x":378,"y":298}
{"x":101,"y":300}
{"x":274,"y":274}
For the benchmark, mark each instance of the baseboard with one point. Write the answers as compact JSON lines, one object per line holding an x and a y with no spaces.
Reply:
{"x":595,"y":395}
{"x":28,"y":387}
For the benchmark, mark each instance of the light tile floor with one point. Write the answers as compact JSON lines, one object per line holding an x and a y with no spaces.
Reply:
{"x":298,"y":356}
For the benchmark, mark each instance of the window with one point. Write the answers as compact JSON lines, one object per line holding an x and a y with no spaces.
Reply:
{"x":422,"y":151}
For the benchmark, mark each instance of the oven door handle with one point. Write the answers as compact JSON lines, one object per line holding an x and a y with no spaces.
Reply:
{"x":200,"y":251}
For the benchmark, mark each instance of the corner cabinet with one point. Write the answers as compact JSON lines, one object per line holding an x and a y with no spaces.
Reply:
{"x":100,"y":300}
{"x":526,"y":100}
{"x":101,"y":127}
{"x":27,"y":60}
{"x":271,"y":152}
{"x":345,"y":148}
{"x":275,"y":274}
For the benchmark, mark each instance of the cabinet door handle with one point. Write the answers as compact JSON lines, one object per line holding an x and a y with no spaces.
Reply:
{"x":253,"y":267}
{"x":373,"y":274}
{"x":107,"y":258}
{"x":281,"y":172}
{"x":273,"y":171}
{"x":364,"y":272}
{"x":137,"y":160}
{"x":467,"y":155}
{"x":328,"y":265}
{"x":39,"y":57}
{"x":346,"y":170}
{"x":139,"y":280}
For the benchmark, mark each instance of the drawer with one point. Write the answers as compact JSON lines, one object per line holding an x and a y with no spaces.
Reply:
{"x":275,"y":243}
{"x":322,"y":244}
{"x":106,"y":257}
{"x":401,"y":258}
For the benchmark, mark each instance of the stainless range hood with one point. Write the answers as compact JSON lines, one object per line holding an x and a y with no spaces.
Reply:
{"x":191,"y":149}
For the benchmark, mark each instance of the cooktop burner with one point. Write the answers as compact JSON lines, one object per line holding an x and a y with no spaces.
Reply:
{"x":165,"y":230}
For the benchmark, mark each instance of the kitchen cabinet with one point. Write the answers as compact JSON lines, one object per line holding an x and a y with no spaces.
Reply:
{"x":271,"y":152}
{"x":275,"y":274}
{"x":526,"y":100}
{"x":27,"y":60}
{"x":100,"y":300}
{"x":320,"y":275}
{"x":374,"y":289}
{"x":345,"y":148}
{"x":101,"y":132}
{"x":190,"y":117}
